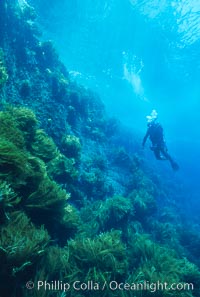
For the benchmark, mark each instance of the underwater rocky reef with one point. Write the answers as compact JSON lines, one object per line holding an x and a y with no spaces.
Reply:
{"x":79,"y":209}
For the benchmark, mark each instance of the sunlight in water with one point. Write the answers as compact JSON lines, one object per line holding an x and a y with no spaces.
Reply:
{"x":186,"y":15}
{"x":150,"y":8}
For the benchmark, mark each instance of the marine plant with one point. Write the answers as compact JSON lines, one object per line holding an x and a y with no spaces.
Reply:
{"x":8,"y":200}
{"x":141,"y":181}
{"x":143,"y":202}
{"x":53,"y":265}
{"x":25,"y":120}
{"x":94,"y":183}
{"x":31,"y":166}
{"x":21,"y":241}
{"x":167,"y":233}
{"x":99,"y":258}
{"x":85,"y":260}
{"x":21,"y":245}
{"x":9,"y":130}
{"x":115,"y":213}
{"x":71,"y":146}
{"x":28,"y":188}
{"x":24,"y":154}
{"x":152,"y":262}
{"x":90,"y":226}
{"x":43,"y":146}
{"x":105,"y":215}
{"x":71,"y":219}
{"x":59,"y":167}
{"x":62,"y":169}
{"x":47,"y":202}
{"x":14,"y":164}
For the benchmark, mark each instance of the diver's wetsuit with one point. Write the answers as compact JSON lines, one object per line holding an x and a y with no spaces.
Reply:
{"x":155,"y":133}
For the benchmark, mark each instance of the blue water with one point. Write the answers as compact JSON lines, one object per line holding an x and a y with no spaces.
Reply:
{"x":137,"y":55}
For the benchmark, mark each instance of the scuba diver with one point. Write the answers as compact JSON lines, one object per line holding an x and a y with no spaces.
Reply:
{"x":155,"y":133}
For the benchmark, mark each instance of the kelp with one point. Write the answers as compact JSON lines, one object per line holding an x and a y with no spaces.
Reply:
{"x":55,"y":263}
{"x":115,"y":212}
{"x":141,"y":181}
{"x":21,"y":242}
{"x":14,"y":165}
{"x":31,"y":166}
{"x":21,"y":246}
{"x":43,"y":146}
{"x":152,"y":262}
{"x":47,"y":202}
{"x":71,"y":219}
{"x":62,"y":169}
{"x":88,"y":214}
{"x":25,"y":120}
{"x":71,"y":146}
{"x":59,"y":167}
{"x":143,"y":202}
{"x":26,"y":188}
{"x":85,"y":260}
{"x":9,"y":130}
{"x":105,"y":252}
{"x":24,"y":153}
{"x":8,"y":200}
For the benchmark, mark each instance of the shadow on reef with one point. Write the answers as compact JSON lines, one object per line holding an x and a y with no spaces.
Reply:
{"x":78,"y":204}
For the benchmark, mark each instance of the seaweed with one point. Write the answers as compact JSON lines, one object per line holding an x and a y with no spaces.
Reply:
{"x":115,"y":213}
{"x":25,"y":120}
{"x":71,"y":146}
{"x":43,"y":146}
{"x":49,"y":199}
{"x":21,"y":245}
{"x":143,"y":202}
{"x":9,"y":130}
{"x":44,"y":235}
{"x":14,"y":165}
{"x":62,"y":169}
{"x":23,"y":153}
{"x":105,"y":255}
{"x":152,"y":263}
{"x":94,"y":183}
{"x":8,"y":201}
{"x":21,"y":241}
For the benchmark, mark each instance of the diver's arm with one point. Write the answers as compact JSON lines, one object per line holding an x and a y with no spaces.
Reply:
{"x":145,"y":138}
